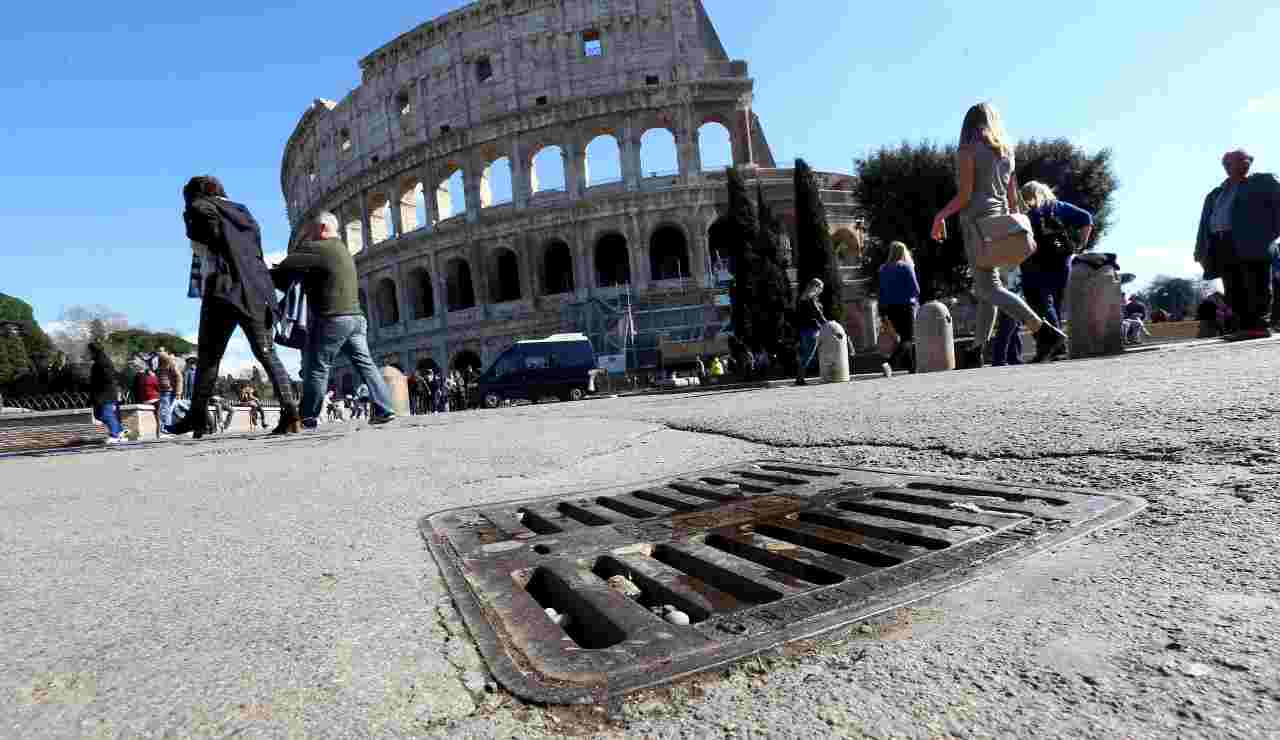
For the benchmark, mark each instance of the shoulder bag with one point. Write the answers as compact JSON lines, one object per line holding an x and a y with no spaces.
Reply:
{"x":1005,"y":240}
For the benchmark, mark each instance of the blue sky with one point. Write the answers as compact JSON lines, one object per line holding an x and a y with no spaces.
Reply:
{"x":110,"y":107}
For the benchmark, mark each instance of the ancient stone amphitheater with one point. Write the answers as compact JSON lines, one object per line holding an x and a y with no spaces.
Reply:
{"x":518,"y":168}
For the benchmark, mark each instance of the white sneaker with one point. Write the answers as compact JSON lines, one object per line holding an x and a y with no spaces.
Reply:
{"x":115,"y":440}
{"x":886,"y":370}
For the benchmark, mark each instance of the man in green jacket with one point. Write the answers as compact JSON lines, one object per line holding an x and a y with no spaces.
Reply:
{"x":328,"y":275}
{"x":1238,"y":239}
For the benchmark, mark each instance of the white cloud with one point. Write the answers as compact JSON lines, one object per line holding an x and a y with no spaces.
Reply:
{"x":1265,"y":103}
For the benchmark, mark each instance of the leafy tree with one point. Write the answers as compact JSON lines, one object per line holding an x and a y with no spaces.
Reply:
{"x":900,"y":190}
{"x":1173,"y":294}
{"x":1077,"y":177}
{"x":15,"y":365}
{"x":38,"y":346}
{"x":733,"y":235}
{"x":98,"y":331}
{"x":815,"y":254}
{"x":772,"y":287}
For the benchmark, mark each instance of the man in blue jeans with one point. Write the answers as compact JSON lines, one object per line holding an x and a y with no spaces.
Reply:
{"x":328,"y":274}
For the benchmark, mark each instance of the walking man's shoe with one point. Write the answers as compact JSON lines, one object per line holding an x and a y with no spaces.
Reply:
{"x":1049,"y":339}
{"x":886,"y":370}
{"x":380,"y":419}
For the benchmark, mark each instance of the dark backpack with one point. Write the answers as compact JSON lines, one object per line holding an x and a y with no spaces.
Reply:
{"x":1053,"y":237}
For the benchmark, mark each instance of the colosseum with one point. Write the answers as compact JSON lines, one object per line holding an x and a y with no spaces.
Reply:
{"x":518,"y":168}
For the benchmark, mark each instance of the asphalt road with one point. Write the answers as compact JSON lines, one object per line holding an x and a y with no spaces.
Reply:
{"x":280,"y":589}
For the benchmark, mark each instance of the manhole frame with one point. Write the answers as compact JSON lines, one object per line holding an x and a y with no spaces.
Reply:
{"x":503,"y":664}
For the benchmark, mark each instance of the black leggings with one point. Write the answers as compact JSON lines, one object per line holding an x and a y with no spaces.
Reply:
{"x":218,"y":320}
{"x":902,"y":317}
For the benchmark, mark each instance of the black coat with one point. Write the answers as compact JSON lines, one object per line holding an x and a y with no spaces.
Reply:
{"x":102,"y":380}
{"x":231,"y":233}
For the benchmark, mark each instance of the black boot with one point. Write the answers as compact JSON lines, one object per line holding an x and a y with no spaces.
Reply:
{"x":970,"y":357}
{"x":195,"y":423}
{"x":1049,"y":340}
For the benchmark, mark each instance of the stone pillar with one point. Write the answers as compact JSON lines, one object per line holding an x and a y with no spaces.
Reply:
{"x":366,"y":231}
{"x":740,"y":137}
{"x":631,"y":170}
{"x":575,"y":171}
{"x":690,"y":154}
{"x":439,"y":291}
{"x":471,"y":177}
{"x":521,"y":188}
{"x":402,"y":295}
{"x":584,"y":277}
{"x":530,"y":281}
{"x":639,"y":258}
{"x":698,"y":259}
{"x":479,"y":275}
{"x":429,"y":197}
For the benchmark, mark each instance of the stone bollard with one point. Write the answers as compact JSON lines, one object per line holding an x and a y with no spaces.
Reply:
{"x":935,"y":339}
{"x":833,"y":353}
{"x":1096,"y":304}
{"x":870,"y":325}
{"x":398,"y":387}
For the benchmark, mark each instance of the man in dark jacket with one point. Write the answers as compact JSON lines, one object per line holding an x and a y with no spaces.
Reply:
{"x":238,"y":292}
{"x":1238,"y":239}
{"x":105,"y":393}
{"x":328,"y":274}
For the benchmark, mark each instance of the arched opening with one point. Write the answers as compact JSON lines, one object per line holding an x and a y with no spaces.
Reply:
{"x":715,"y":145}
{"x":451,"y":195}
{"x":613,"y":262}
{"x":410,"y":194}
{"x":422,"y":293}
{"x":354,"y":231}
{"x":420,"y":206}
{"x":658,"y":156}
{"x":668,"y":254}
{"x":388,"y":304}
{"x":466,"y":359}
{"x":495,"y":183}
{"x":546,"y":173}
{"x":604,"y":161}
{"x":557,"y":269}
{"x":459,"y":293}
{"x":504,"y":276}
{"x":379,"y":218}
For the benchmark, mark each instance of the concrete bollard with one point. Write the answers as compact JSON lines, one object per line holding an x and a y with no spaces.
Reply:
{"x":870,"y":325}
{"x":1096,"y":303}
{"x":935,"y":339}
{"x":833,"y":353}
{"x":398,"y":387}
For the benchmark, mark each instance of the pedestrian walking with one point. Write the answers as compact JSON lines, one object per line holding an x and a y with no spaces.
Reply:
{"x":1061,"y":230}
{"x":809,"y":321}
{"x":328,"y":275}
{"x":899,"y":296}
{"x":170,"y":384}
{"x":988,"y":187}
{"x":104,"y":392}
{"x":146,"y":386}
{"x":188,"y":378}
{"x":1006,"y":346}
{"x":237,"y":291}
{"x":1237,"y":241}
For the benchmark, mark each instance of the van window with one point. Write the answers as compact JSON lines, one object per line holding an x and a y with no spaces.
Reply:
{"x":507,"y":364}
{"x":536,"y":362}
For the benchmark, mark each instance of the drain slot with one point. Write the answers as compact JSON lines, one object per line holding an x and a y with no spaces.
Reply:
{"x":584,"y":514}
{"x":587,"y":626}
{"x":538,"y":523}
{"x":799,"y":471}
{"x":743,"y":589}
{"x":842,"y":550}
{"x":1006,"y":495}
{"x":780,"y":563}
{"x":701,"y":492}
{"x":944,"y":500}
{"x":868,"y":529}
{"x":628,"y":508}
{"x":748,"y":487}
{"x":653,"y":593}
{"x":670,"y":500}
{"x":778,"y":479}
{"x":937,"y":518}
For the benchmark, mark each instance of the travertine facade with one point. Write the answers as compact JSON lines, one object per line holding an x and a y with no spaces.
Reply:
{"x":492,"y":85}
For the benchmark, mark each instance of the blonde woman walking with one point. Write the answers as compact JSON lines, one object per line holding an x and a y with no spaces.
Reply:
{"x":809,"y":322}
{"x":899,"y":295}
{"x":988,"y":187}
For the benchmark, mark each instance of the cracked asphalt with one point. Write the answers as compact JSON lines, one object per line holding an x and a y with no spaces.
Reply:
{"x":280,"y":589}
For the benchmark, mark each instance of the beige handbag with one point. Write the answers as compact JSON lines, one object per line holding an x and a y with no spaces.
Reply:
{"x":1006,"y":241}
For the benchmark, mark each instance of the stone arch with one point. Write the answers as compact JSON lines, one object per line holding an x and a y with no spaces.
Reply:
{"x":459,"y":292}
{"x":557,"y":268}
{"x":715,"y":144}
{"x":604,"y":160}
{"x":495,"y":183}
{"x":547,"y":170}
{"x":408,"y":197}
{"x":353,"y":230}
{"x":451,"y":192}
{"x":613,"y":260}
{"x":388,"y":302}
{"x":421,"y":293}
{"x":659,"y":156}
{"x":668,"y":253}
{"x":464,"y":359}
{"x":379,"y":217}
{"x":504,"y":275}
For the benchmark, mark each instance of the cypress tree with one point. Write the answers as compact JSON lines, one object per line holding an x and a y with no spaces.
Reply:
{"x":734,"y":235}
{"x":772,"y":286}
{"x":815,"y":254}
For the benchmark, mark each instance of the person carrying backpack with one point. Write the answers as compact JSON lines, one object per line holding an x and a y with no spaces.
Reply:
{"x":1046,"y":272}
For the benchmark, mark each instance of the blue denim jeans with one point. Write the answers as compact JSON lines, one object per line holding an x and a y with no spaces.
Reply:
{"x":106,"y":414}
{"x":806,"y":348}
{"x":165,"y":409}
{"x":328,"y":336}
{"x":1006,"y":347}
{"x":1044,"y":290}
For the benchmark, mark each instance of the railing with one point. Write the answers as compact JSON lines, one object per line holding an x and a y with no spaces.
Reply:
{"x":67,"y":401}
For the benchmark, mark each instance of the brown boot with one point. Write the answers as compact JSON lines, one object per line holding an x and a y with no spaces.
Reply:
{"x":290,"y":420}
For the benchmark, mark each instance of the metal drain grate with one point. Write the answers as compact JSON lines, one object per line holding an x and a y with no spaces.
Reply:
{"x":754,"y":555}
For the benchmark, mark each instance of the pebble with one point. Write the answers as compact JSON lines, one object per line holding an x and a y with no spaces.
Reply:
{"x":677,"y":617}
{"x":624,"y":586}
{"x":562,"y":620}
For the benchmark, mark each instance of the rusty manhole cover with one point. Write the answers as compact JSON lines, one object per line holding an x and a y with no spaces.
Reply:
{"x":749,"y":555}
